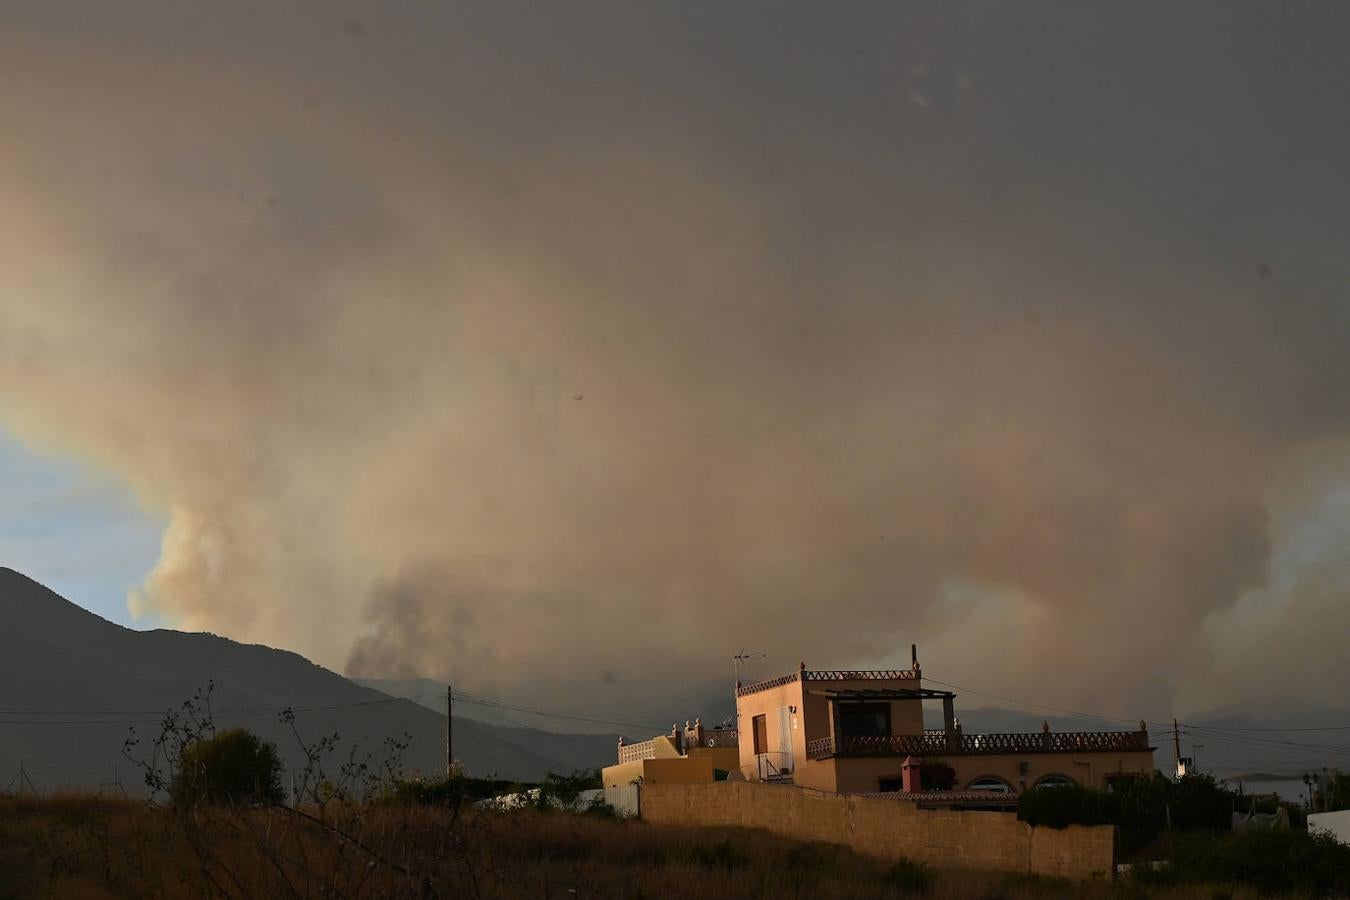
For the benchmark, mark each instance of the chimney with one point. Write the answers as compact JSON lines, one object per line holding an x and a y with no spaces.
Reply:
{"x":909,"y":775}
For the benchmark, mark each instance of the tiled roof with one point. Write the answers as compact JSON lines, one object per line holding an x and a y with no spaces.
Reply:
{"x":943,"y":796}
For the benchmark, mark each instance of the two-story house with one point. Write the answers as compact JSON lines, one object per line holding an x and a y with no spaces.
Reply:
{"x":854,"y":731}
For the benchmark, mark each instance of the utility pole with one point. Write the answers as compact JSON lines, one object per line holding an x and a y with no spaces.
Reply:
{"x":449,"y":731}
{"x":1176,"y":747}
{"x":21,"y":779}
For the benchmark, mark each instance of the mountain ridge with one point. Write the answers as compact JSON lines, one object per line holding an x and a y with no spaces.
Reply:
{"x":72,"y":684}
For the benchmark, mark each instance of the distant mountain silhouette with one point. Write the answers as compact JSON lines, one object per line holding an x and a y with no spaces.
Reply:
{"x":71,"y":683}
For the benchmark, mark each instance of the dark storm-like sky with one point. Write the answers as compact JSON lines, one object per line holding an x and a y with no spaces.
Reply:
{"x":566,"y":349}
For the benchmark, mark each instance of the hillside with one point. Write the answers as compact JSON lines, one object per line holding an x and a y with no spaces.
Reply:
{"x":72,"y":683}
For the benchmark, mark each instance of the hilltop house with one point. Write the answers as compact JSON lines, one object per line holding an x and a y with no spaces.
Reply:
{"x":863,"y":731}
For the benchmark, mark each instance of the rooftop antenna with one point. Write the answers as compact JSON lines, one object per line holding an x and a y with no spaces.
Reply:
{"x":736,"y":661}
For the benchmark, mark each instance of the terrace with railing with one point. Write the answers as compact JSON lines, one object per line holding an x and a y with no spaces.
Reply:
{"x":933,"y":743}
{"x":720,"y":737}
{"x":830,"y":675}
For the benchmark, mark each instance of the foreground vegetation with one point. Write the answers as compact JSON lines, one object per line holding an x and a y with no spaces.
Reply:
{"x":218,"y":825}
{"x":83,"y":848}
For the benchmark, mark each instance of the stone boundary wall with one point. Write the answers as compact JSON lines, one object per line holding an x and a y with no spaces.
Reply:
{"x":888,"y":828}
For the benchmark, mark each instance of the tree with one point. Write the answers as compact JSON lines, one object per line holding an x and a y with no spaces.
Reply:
{"x":936,"y":775}
{"x":235,"y":767}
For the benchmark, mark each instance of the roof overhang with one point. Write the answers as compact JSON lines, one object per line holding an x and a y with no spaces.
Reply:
{"x":884,"y":694}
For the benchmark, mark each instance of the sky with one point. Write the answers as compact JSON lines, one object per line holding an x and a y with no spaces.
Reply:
{"x":565,"y":350}
{"x":79,"y":533}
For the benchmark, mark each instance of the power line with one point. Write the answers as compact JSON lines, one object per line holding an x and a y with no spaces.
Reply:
{"x":1028,"y":703}
{"x":150,"y":717}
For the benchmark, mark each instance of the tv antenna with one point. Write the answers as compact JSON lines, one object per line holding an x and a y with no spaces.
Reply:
{"x":736,"y":662}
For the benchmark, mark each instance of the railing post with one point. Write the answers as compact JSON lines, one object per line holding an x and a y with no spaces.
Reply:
{"x":949,"y":721}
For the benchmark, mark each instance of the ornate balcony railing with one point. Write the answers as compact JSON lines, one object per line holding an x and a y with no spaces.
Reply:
{"x":936,"y":743}
{"x":634,"y":752}
{"x":765,"y":685}
{"x":830,"y":675}
{"x":721,"y":737}
{"x":862,"y":675}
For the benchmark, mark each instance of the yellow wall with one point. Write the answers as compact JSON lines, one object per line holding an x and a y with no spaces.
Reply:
{"x":725,"y":758}
{"x":685,"y":770}
{"x":888,"y":828}
{"x":622,"y":774}
{"x":676,"y":770}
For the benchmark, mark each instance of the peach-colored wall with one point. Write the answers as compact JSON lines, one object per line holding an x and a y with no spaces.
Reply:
{"x":863,"y":774}
{"x":906,"y":715}
{"x":767,"y":703}
{"x":1088,"y":769}
{"x":888,"y":828}
{"x":812,"y":721}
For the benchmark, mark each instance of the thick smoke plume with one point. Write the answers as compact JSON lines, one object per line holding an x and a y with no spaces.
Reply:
{"x":564,"y":351}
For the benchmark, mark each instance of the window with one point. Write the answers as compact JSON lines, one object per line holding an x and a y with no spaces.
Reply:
{"x":865,"y":719}
{"x":761,"y":732}
{"x":1054,"y":781}
{"x":990,"y":783}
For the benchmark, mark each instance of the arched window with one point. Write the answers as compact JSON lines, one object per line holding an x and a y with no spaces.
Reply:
{"x":990,"y":783}
{"x":1055,"y":781}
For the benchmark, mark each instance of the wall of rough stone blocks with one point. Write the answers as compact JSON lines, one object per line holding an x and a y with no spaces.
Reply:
{"x":888,"y":828}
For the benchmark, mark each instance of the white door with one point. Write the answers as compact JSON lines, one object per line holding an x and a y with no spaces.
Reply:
{"x":785,"y":737}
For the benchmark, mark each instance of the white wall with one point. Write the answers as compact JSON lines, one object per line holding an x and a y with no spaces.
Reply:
{"x":1337,"y":824}
{"x":624,"y":799}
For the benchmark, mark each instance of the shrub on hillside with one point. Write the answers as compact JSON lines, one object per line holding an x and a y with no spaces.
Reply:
{"x":449,"y":791}
{"x":235,"y":767}
{"x":563,"y":791}
{"x":909,"y":877}
{"x":1269,"y":860}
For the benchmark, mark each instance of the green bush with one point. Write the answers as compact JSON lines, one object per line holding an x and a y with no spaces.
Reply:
{"x":1061,"y":807}
{"x":450,"y":791}
{"x":1268,"y":860}
{"x":1200,"y":802}
{"x":909,"y":877}
{"x":236,"y":767}
{"x":1142,"y":807}
{"x":563,"y":791}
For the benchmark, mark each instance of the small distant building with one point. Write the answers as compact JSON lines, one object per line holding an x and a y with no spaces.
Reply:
{"x":686,"y":755}
{"x":863,"y":732}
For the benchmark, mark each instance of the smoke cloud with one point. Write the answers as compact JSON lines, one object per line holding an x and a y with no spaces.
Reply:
{"x":565,"y":351}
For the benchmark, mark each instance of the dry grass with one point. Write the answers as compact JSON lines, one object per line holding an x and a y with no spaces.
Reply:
{"x":84,"y":848}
